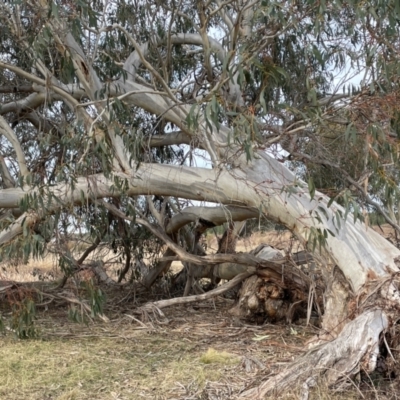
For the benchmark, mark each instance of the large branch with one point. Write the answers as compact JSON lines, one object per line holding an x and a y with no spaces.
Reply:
{"x":361,"y":253}
{"x":64,"y":92}
{"x":26,"y":104}
{"x":169,"y":139}
{"x":40,"y":96}
{"x":358,"y":341}
{"x":228,"y":261}
{"x":214,"y":215}
{"x":151,"y":179}
{"x":8,"y":181}
{"x":12,"y":137}
{"x":90,"y":81}
{"x":161,"y":105}
{"x":265,"y":184}
{"x":83,"y":69}
{"x":191,"y":299}
{"x":168,"y":107}
{"x":16,"y":89}
{"x":164,"y":180}
{"x":151,"y":101}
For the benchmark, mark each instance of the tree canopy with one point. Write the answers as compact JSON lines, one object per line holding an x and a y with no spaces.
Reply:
{"x":104,"y":88}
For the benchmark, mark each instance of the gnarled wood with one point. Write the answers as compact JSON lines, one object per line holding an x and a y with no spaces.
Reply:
{"x":263,"y":298}
{"x":357,"y":345}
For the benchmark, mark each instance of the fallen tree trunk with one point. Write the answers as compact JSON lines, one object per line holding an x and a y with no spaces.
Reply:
{"x":265,"y":294}
{"x":357,"y":347}
{"x":361,"y":254}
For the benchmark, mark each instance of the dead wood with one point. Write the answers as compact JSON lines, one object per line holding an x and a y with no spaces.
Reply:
{"x":356,"y":347}
{"x":101,"y":274}
{"x":162,"y":265}
{"x":195,"y":298}
{"x":274,"y":297}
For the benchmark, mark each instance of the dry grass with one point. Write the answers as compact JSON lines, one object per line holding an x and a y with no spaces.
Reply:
{"x":98,"y":367}
{"x":195,"y":352}
{"x":46,"y":268}
{"x":199,"y":352}
{"x":213,"y":356}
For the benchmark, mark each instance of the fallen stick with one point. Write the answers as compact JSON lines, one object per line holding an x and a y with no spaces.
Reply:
{"x":198,"y":297}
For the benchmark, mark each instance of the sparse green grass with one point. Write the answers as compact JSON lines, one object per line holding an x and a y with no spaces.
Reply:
{"x":144,"y":365}
{"x":119,"y":360}
{"x":219,"y":357}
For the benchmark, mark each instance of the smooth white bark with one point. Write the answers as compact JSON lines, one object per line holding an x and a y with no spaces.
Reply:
{"x":215,"y":215}
{"x":360,"y":252}
{"x":12,"y":138}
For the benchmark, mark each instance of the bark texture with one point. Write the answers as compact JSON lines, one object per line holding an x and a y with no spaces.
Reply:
{"x":356,"y":347}
{"x":263,"y":298}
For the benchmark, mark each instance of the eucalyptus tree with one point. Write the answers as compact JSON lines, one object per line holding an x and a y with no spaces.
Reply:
{"x":107,"y":108}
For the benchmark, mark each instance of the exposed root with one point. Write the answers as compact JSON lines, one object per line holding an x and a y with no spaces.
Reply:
{"x":356,"y":347}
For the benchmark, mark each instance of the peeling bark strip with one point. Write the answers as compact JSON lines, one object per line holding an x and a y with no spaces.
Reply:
{"x":356,"y":347}
{"x":338,"y":300}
